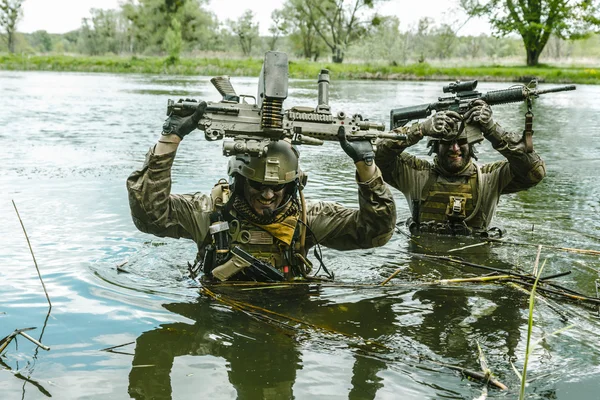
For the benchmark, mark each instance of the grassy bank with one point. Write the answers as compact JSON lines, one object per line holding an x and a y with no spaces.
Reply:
{"x":298,"y":69}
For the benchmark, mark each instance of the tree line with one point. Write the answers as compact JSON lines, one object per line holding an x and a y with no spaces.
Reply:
{"x":316,"y":29}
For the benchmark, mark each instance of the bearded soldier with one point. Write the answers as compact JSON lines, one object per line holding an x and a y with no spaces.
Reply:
{"x":258,"y":226}
{"x":453,"y":195}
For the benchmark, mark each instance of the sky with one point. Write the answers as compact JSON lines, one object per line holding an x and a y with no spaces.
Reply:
{"x":60,"y":16}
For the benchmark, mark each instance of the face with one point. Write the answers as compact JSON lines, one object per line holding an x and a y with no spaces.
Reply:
{"x":454,"y":156}
{"x":263,"y":197}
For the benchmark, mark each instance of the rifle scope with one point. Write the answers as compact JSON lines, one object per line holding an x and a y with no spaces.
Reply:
{"x":459,"y":86}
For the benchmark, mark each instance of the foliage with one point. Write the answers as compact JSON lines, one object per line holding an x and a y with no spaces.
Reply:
{"x":246,"y":30}
{"x":298,"y":69}
{"x":305,"y":42}
{"x":42,"y":41}
{"x":536,"y":20}
{"x":100,"y":34}
{"x":337,"y":22}
{"x":173,"y":41}
{"x":10,"y":13}
{"x":149,"y":20}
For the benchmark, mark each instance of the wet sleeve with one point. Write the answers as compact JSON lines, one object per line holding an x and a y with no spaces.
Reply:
{"x":387,"y":156}
{"x":155,"y":210}
{"x":371,"y":225}
{"x":521,"y":170}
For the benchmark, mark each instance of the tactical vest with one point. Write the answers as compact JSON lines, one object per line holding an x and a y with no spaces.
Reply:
{"x":449,"y":206}
{"x":276,"y":244}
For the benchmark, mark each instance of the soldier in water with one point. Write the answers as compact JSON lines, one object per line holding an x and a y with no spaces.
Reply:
{"x":258,"y":226}
{"x":453,"y":195}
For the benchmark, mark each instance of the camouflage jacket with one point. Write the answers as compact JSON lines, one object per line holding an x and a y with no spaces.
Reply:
{"x":155,"y":210}
{"x":412,"y":176}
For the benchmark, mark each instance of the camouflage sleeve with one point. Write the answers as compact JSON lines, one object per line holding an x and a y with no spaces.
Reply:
{"x":341,"y":228}
{"x":388,"y":150}
{"x":155,"y":210}
{"x":525,"y":169}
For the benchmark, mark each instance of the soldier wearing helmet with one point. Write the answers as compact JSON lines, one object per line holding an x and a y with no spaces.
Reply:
{"x":261,"y":213}
{"x":453,"y":195}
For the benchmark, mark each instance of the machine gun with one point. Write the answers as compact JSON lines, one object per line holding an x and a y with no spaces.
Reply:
{"x":463,"y":93}
{"x":252,"y":125}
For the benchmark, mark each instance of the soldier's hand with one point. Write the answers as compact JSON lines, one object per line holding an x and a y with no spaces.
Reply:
{"x":358,"y":150}
{"x":480,"y":112}
{"x":182,"y":125}
{"x":441,"y":124}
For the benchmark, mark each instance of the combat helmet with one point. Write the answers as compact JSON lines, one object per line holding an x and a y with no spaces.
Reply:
{"x":278,"y":164}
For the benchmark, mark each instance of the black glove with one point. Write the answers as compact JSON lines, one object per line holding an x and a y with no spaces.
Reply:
{"x":358,"y":150}
{"x":441,"y":124}
{"x":480,"y":112}
{"x":181,"y":124}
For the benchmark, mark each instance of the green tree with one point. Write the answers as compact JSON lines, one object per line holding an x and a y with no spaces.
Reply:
{"x":149,"y":20}
{"x":278,"y":27}
{"x":246,"y":30}
{"x":536,"y":20}
{"x":301,"y":33}
{"x":444,"y":41}
{"x":173,"y":41}
{"x":10,"y":13}
{"x":101,"y":33}
{"x":339,"y":22}
{"x":41,"y":41}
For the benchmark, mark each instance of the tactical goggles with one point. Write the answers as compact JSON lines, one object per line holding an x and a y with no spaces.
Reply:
{"x":460,"y":142}
{"x":261,"y":186}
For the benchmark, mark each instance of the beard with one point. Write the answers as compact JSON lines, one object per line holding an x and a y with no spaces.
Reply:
{"x":454,"y":162}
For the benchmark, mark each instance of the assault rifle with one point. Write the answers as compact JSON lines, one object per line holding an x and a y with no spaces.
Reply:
{"x":253,"y":268}
{"x":253,"y":124}
{"x":463,"y":93}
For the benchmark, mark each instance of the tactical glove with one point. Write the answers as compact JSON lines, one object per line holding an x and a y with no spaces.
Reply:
{"x":441,"y":124}
{"x":358,"y":150}
{"x":181,"y":125}
{"x":481,"y":113}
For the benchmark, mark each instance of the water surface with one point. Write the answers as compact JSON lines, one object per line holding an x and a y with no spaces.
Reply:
{"x":72,"y":139}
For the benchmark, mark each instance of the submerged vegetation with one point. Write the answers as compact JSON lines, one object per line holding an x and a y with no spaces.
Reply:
{"x":216,"y":65}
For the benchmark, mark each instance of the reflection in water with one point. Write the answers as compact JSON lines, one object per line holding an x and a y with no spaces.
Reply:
{"x":87,"y":132}
{"x":379,"y":329}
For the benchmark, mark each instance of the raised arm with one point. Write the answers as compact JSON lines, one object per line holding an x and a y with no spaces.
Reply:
{"x":153,"y":208}
{"x":372,"y":224}
{"x":526,"y":169}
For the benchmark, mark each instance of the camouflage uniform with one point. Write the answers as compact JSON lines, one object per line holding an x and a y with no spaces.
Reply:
{"x":434,"y":189}
{"x":155,"y":210}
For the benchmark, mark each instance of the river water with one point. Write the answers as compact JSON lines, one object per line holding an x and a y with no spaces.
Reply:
{"x":70,"y":140}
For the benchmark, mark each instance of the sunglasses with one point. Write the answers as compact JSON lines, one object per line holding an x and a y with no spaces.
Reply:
{"x":460,"y":142}
{"x":261,"y":186}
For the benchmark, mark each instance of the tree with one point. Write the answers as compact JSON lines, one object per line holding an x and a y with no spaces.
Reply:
{"x":41,"y":40}
{"x":339,"y":22}
{"x":173,"y":41}
{"x":246,"y":30}
{"x":536,"y":20}
{"x":149,"y":21}
{"x":278,"y":27}
{"x":302,"y":35}
{"x":101,"y":33}
{"x":444,"y":39}
{"x":10,"y":13}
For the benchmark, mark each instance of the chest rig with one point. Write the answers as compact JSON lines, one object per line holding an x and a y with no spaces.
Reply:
{"x":449,"y":206}
{"x":238,"y":249}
